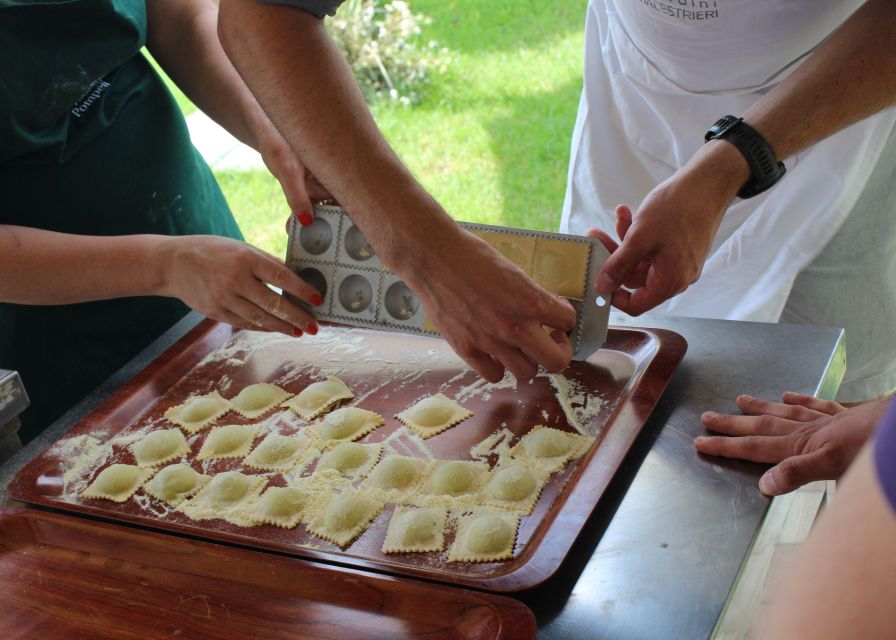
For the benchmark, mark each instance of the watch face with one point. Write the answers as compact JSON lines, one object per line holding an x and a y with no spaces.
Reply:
{"x":720,"y":126}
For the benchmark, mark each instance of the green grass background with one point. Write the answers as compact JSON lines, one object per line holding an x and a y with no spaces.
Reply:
{"x":490,"y":137}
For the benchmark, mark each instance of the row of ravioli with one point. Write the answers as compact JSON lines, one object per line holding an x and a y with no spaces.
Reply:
{"x":352,"y":482}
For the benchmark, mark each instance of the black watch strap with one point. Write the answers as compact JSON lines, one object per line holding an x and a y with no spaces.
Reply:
{"x":766,"y":169}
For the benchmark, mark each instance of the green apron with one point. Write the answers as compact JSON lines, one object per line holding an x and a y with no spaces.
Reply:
{"x":91,"y":142}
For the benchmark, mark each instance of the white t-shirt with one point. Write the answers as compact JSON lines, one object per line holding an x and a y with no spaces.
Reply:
{"x":727,"y":45}
{"x":656,"y":78}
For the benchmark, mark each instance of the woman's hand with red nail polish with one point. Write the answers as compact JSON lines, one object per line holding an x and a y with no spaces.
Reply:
{"x":228,"y":280}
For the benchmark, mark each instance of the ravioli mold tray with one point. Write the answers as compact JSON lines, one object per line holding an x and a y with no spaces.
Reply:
{"x":333,"y":255}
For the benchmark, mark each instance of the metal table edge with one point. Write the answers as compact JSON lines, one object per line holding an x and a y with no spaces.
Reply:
{"x":826,"y":389}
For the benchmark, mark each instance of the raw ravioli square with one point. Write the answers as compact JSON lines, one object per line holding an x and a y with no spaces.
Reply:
{"x":257,"y":399}
{"x":340,"y":518}
{"x":159,"y":447}
{"x":175,"y":483}
{"x":344,"y":425}
{"x":224,"y":496}
{"x":454,"y":483}
{"x":551,"y":448}
{"x":514,"y":486}
{"x":416,"y":530}
{"x":228,"y":441}
{"x":485,"y":536}
{"x":319,"y":397}
{"x":117,"y":482}
{"x":396,"y":478}
{"x":432,"y":415}
{"x":281,"y":506}
{"x":198,"y":412}
{"x":350,"y":459}
{"x":282,"y":453}
{"x":561,"y":266}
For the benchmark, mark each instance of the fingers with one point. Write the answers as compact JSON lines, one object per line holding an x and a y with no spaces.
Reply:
{"x":828,"y":407}
{"x":753,"y":447}
{"x":267,"y":309}
{"x":623,"y":220}
{"x":734,"y":425}
{"x":794,"y":472}
{"x":268,"y":269}
{"x":638,"y":276}
{"x":517,"y":362}
{"x":619,"y":266}
{"x":757,"y":407}
{"x":293,"y":186}
{"x":554,"y":311}
{"x":484,"y":365}
{"x":552,"y":350}
{"x":290,"y":173}
{"x":257,"y":318}
{"x":609,"y":244}
{"x":236,"y":321}
{"x":270,"y":303}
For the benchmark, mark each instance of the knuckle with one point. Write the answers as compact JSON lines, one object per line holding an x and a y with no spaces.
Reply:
{"x":280,"y":278}
{"x":257,"y":317}
{"x":750,"y":444}
{"x":837,"y":460}
{"x":230,"y":279}
{"x":801,"y":440}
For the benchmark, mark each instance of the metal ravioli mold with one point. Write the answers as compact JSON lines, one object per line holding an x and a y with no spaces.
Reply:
{"x":333,"y":255}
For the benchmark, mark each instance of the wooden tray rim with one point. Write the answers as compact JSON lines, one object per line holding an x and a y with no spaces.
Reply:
{"x":542,"y":561}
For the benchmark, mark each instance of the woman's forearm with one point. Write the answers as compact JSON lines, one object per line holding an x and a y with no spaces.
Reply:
{"x":182,"y":37}
{"x":44,"y":267}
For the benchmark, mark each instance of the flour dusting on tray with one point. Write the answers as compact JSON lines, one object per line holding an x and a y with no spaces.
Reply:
{"x":579,"y":406}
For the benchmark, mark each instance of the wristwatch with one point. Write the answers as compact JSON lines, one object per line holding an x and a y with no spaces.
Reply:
{"x":766,"y":169}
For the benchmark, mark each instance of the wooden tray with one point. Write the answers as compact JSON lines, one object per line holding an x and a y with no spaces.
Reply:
{"x":66,"y":577}
{"x":387,"y":372}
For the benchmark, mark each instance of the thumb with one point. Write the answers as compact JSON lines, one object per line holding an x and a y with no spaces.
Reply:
{"x":795,"y":471}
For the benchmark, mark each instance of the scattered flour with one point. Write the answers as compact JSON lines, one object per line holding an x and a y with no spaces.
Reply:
{"x":483,"y":388}
{"x":496,"y":443}
{"x":404,"y":442}
{"x":577,"y":404}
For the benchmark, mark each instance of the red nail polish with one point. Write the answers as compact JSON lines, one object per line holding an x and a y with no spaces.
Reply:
{"x":304,"y":218}
{"x":316,"y":299}
{"x":297,"y":332}
{"x":311,"y":329}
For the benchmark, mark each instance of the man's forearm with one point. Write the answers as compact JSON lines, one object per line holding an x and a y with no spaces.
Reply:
{"x":45,"y":267}
{"x":851,"y":76}
{"x":305,"y":85}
